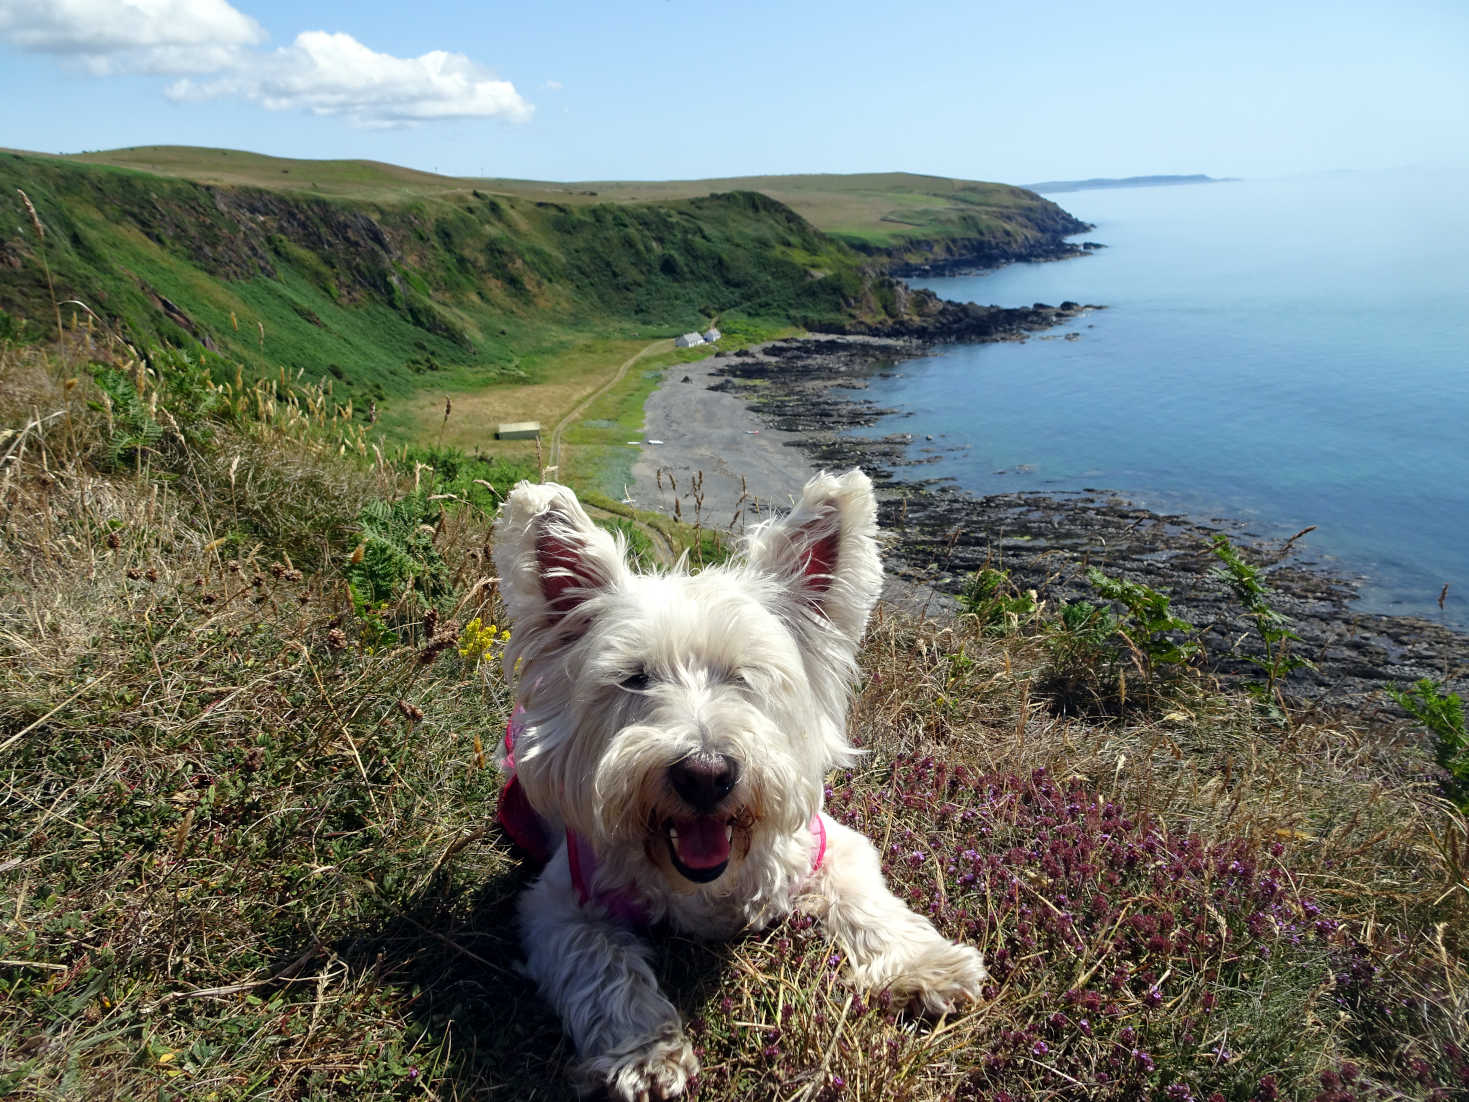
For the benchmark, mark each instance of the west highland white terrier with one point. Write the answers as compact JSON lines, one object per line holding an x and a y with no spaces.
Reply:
{"x":667,"y":758}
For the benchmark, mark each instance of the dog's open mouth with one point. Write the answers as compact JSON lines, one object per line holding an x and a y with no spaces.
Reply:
{"x":699,"y":848}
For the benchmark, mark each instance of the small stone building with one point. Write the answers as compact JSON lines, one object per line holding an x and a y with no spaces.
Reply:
{"x":518,"y":430}
{"x":688,"y":340}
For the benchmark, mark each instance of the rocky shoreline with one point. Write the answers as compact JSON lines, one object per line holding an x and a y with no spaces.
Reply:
{"x":979,"y":261}
{"x":963,"y":254}
{"x":1046,"y":540}
{"x":928,"y":320}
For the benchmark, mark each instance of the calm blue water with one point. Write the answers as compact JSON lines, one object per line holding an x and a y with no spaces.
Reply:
{"x":1283,"y":353}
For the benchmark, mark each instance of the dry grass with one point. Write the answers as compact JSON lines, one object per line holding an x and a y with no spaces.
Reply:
{"x":1043,"y":839}
{"x":248,"y":853}
{"x":475,"y":414}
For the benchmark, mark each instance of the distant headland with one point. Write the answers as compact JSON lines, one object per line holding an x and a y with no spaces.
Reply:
{"x":1098,"y":183}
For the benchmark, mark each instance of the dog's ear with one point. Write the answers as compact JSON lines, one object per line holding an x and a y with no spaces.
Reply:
{"x":824,"y":553}
{"x":550,"y":556}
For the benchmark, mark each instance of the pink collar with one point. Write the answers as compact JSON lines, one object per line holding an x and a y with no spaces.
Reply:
{"x":528,"y":830}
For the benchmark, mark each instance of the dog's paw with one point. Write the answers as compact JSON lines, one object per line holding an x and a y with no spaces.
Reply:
{"x":656,"y":1070}
{"x":945,"y":978}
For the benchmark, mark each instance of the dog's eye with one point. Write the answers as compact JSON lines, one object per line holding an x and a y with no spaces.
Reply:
{"x":636,"y":683}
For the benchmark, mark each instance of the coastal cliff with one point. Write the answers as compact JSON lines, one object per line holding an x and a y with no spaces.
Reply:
{"x":1031,"y":229}
{"x":377,"y":278}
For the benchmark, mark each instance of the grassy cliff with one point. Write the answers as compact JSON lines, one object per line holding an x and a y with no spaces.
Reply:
{"x":382,"y":287}
{"x":892,"y":213}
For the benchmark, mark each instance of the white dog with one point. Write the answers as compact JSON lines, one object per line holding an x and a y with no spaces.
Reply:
{"x":668,"y":754}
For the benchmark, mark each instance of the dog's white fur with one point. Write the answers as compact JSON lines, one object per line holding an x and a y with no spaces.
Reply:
{"x":622,"y":675}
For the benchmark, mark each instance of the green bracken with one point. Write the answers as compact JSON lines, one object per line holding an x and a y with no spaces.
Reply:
{"x":1273,"y":626}
{"x":1442,"y":713}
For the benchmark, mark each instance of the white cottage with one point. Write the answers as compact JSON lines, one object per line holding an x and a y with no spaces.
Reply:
{"x":712,"y":335}
{"x":688,"y":340}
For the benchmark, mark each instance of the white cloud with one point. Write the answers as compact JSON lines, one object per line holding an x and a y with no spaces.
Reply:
{"x":214,"y":46}
{"x":151,"y":36}
{"x":334,"y":74}
{"x":554,"y":85}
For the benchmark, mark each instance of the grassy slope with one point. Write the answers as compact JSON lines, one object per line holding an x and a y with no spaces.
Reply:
{"x":247,"y":852}
{"x":873,"y":210}
{"x":398,"y":287}
{"x":348,"y":179}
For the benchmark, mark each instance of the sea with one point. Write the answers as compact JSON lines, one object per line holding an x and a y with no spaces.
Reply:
{"x":1274,"y":354}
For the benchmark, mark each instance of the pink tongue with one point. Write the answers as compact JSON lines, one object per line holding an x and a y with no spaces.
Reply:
{"x":702,"y":843}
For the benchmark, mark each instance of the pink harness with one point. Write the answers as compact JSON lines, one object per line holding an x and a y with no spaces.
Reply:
{"x":528,"y":830}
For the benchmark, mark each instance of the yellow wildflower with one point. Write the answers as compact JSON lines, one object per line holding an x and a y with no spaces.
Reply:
{"x":478,"y":639}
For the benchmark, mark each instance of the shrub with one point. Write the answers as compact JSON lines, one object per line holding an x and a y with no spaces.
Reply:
{"x":479,"y":481}
{"x":994,"y":600}
{"x":1083,"y":664}
{"x":1273,"y":626}
{"x":1443,"y":714}
{"x":1147,"y":626}
{"x":1087,"y":669}
{"x":397,"y":556}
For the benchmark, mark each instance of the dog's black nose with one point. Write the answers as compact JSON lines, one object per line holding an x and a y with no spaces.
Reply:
{"x":704,"y":778}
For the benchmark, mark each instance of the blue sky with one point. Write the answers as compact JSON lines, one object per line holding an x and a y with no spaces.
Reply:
{"x":667,"y":89}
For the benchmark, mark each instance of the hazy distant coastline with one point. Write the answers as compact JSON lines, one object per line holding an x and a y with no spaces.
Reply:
{"x":1100,"y":182}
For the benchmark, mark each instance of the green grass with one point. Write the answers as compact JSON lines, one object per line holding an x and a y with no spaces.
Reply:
{"x":352,"y":179}
{"x":247,"y":816}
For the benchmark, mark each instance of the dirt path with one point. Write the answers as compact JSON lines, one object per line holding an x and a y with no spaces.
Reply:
{"x":554,"y":452}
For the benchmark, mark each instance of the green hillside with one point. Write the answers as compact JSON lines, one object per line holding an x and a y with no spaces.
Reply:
{"x":390,"y":283}
{"x":894,"y":213}
{"x":886,"y":213}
